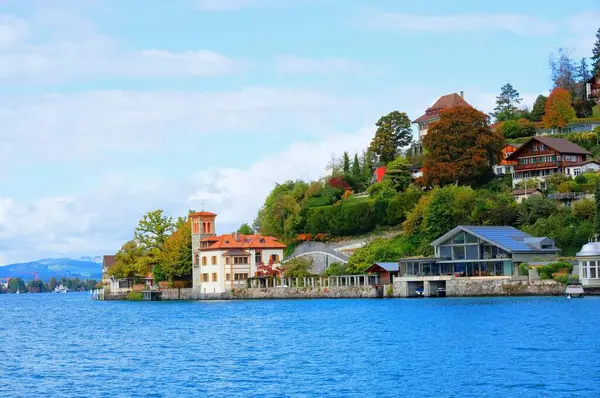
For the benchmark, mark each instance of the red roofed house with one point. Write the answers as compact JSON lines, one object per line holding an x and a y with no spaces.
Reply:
{"x":541,"y":157}
{"x":225,"y":262}
{"x":432,"y":114}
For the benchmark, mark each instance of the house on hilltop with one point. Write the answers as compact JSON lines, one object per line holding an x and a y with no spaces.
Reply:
{"x":506,"y":166}
{"x":432,"y":114}
{"x":541,"y":157}
{"x":225,"y":262}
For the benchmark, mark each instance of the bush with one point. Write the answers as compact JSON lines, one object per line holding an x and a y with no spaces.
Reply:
{"x":548,"y":271}
{"x":134,"y":296}
{"x":524,"y":269}
{"x":562,"y":278}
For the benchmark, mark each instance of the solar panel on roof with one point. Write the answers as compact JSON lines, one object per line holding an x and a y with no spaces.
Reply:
{"x":508,"y":237}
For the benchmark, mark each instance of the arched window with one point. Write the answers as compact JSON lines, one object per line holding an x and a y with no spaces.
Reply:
{"x":203,"y":227}
{"x":197,"y":259}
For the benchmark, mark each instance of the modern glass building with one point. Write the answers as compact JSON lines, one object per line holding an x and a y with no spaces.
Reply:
{"x":469,"y":251}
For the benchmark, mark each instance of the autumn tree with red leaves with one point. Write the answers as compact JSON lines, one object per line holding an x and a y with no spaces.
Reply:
{"x":559,"y":111}
{"x":461,"y":148}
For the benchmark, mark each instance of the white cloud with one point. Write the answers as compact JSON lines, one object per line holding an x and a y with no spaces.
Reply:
{"x":63,"y":55}
{"x":99,"y":222}
{"x":515,"y":23}
{"x":97,"y":124}
{"x":290,"y":64}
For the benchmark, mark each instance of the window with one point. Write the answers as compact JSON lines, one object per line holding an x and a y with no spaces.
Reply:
{"x":471,"y":238}
{"x":576,"y":172}
{"x":240,"y":277}
{"x":204,"y":277}
{"x":240,"y":260}
{"x":445,"y":252}
{"x":535,"y":148}
{"x":498,"y":170}
{"x":227,"y":260}
{"x":459,"y":239}
{"x":227,"y":277}
{"x":459,"y":253}
{"x":213,"y":260}
{"x":542,"y":147}
{"x":275,"y":258}
{"x":214,"y":277}
{"x":197,"y":259}
{"x":258,"y":257}
{"x":204,"y":261}
{"x":472,"y":252}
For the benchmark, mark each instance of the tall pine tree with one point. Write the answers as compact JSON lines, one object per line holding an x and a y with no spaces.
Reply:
{"x":346,"y":163}
{"x":583,"y":72}
{"x":506,"y":104}
{"x":356,"y":168}
{"x":596,"y":55}
{"x":539,"y":106}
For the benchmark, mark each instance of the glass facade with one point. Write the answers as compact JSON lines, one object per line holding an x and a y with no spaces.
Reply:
{"x":464,"y":255}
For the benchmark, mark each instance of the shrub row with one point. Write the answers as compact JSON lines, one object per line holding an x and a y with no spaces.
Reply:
{"x":351,"y":218}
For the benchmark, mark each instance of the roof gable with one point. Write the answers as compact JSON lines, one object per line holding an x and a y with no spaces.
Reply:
{"x":558,"y":144}
{"x":507,"y":238}
{"x":444,"y":102}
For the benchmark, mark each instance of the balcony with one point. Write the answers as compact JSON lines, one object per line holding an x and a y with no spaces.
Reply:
{"x":538,"y":166}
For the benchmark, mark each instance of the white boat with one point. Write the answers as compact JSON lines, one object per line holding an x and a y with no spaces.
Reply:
{"x":18,"y":292}
{"x":61,"y":289}
{"x":574,"y":291}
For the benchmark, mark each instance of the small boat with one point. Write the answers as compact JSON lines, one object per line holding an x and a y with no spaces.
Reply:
{"x":419,"y":292}
{"x":17,"y":292}
{"x":574,"y":291}
{"x":61,"y":289}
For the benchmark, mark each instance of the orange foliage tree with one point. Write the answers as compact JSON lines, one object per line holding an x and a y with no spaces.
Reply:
{"x":559,"y":111}
{"x":461,"y":148}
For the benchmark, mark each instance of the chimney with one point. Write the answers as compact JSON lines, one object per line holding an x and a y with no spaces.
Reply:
{"x":236,"y":237}
{"x":462,"y":94}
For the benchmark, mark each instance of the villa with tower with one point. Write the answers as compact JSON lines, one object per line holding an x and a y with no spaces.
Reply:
{"x":225,"y":262}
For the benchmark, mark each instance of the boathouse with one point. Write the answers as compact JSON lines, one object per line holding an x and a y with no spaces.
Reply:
{"x":472,"y":253}
{"x":385,"y":271}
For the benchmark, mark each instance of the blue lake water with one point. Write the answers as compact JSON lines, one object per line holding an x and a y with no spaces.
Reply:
{"x":68,"y":345}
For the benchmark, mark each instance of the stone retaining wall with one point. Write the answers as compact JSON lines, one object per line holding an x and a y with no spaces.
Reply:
{"x":462,"y":287}
{"x":276,"y":293}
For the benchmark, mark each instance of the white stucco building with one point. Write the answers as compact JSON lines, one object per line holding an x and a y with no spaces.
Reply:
{"x":589,"y":264}
{"x":225,"y":262}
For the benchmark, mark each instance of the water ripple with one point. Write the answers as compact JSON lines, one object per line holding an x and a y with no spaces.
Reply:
{"x":70,"y":346}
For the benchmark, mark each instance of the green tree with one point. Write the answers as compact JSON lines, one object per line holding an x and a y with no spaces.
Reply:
{"x":131,"y":261}
{"x":346,"y":166}
{"x":507,"y":104}
{"x":398,"y":172}
{"x":583,"y":72}
{"x":15,"y":284}
{"x":393,"y":133}
{"x":280,"y":214}
{"x":368,"y":163}
{"x":539,"y":106}
{"x":378,"y":250}
{"x":298,"y":268}
{"x":461,"y":148}
{"x":153,"y":229}
{"x":158,"y":273}
{"x":584,"y":209}
{"x":176,"y":257}
{"x":52,"y":283}
{"x":596,"y":55}
{"x":245,"y":229}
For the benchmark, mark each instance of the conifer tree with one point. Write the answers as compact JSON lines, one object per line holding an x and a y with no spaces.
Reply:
{"x":346,"y":163}
{"x":596,"y":55}
{"x":506,"y":104}
{"x":356,"y":174}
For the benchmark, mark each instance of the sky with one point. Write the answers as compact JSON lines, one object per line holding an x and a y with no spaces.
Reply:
{"x":113,"y":108}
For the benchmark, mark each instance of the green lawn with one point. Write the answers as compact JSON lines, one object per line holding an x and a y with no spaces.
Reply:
{"x":596,"y":111}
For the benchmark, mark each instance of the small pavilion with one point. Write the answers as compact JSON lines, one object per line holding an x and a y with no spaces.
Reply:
{"x":589,"y":264}
{"x":385,"y":271}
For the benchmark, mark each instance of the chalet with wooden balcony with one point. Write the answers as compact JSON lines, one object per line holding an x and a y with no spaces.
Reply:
{"x":592,"y":88}
{"x":541,"y":157}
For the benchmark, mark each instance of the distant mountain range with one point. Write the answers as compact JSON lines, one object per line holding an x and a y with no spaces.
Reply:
{"x":82,"y":268}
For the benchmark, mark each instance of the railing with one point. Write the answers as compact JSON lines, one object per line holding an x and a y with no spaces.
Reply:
{"x":536,"y":166}
{"x":331,"y":281}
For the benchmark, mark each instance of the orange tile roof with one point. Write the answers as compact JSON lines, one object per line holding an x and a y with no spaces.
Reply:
{"x":444,"y":102}
{"x":228,"y":241}
{"x":203,"y":213}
